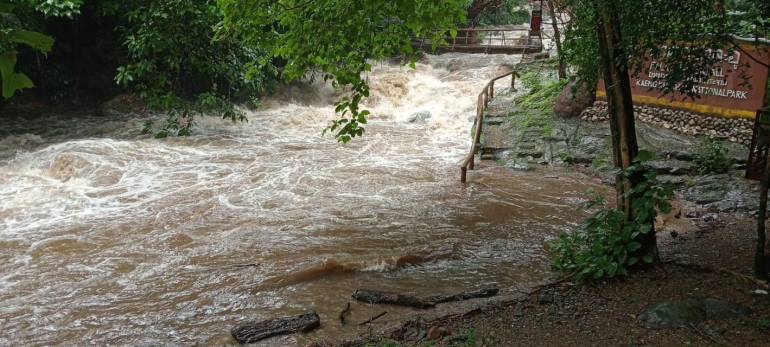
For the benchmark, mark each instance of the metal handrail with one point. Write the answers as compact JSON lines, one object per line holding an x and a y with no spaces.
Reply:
{"x":482,"y":102}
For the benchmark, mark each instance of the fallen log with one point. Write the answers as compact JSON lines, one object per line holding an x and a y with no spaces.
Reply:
{"x":254,"y":331}
{"x":378,"y":297}
{"x":481,"y":293}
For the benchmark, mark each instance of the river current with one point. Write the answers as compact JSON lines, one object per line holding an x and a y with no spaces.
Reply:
{"x":111,"y":237}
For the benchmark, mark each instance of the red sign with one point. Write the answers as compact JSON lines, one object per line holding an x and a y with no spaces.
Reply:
{"x":735,"y":87}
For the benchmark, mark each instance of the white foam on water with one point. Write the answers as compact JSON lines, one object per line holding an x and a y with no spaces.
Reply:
{"x":103,"y":226}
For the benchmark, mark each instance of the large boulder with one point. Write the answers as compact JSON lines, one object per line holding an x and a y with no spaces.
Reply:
{"x":574,"y":99}
{"x":672,"y":314}
{"x":419,"y":117}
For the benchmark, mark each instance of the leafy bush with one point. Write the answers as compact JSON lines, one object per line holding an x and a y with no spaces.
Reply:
{"x":172,"y":47}
{"x":180,"y":66}
{"x":541,"y":95}
{"x":607,"y":244}
{"x":711,"y":157}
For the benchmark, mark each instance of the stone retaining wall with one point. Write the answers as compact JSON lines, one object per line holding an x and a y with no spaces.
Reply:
{"x":730,"y":129}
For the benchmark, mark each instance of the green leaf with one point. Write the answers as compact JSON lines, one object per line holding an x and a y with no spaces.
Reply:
{"x":647,"y":259}
{"x":37,"y":41}
{"x":12,"y":81}
{"x":6,"y":7}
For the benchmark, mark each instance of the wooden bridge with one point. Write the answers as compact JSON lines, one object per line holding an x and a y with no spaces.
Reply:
{"x":503,"y":40}
{"x":515,"y":40}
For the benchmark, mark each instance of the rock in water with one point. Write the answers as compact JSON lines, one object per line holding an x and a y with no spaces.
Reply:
{"x":120,"y":105}
{"x":669,"y":314}
{"x":419,"y":117}
{"x":254,"y":331}
{"x":574,"y":99}
{"x":378,"y":297}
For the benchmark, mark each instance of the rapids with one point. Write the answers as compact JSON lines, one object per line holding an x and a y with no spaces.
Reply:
{"x":111,"y":237}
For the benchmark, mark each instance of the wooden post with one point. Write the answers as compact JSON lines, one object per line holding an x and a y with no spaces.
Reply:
{"x":477,"y":140}
{"x":492,"y":89}
{"x":463,"y":174}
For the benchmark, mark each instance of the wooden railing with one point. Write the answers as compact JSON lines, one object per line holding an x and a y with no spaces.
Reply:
{"x":488,"y":40}
{"x":482,"y":102}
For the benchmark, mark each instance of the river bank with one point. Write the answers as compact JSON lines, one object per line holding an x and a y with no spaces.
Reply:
{"x":610,"y":313}
{"x":706,"y":254}
{"x":711,"y":226}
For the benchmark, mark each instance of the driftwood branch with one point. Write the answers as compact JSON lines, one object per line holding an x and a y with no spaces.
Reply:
{"x":373,"y":318}
{"x":259,"y":330}
{"x":344,"y":312}
{"x":481,"y":293}
{"x":378,"y":297}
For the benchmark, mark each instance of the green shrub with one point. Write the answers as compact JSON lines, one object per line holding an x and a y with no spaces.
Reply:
{"x":179,"y":65}
{"x":172,"y":47}
{"x":711,"y":157}
{"x":607,"y":244}
{"x":541,"y":95}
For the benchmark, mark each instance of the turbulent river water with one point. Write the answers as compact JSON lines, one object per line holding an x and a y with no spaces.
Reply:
{"x":111,"y":237}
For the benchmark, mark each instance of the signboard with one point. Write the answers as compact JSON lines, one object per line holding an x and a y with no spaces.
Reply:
{"x":735,"y":87}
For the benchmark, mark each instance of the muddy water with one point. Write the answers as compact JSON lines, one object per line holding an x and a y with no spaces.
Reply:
{"x":110,"y":237}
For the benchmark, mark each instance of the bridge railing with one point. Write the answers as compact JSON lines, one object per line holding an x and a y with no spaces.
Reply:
{"x":482,"y":102}
{"x":488,"y":40}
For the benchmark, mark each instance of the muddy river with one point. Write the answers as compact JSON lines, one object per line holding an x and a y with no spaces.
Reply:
{"x":111,"y":237}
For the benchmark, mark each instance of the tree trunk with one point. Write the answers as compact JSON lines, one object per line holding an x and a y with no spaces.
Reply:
{"x":557,"y":39}
{"x":617,"y":83}
{"x":760,"y":262}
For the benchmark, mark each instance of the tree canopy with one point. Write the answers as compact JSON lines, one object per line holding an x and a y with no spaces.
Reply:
{"x":339,"y":38}
{"x":682,"y":35}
